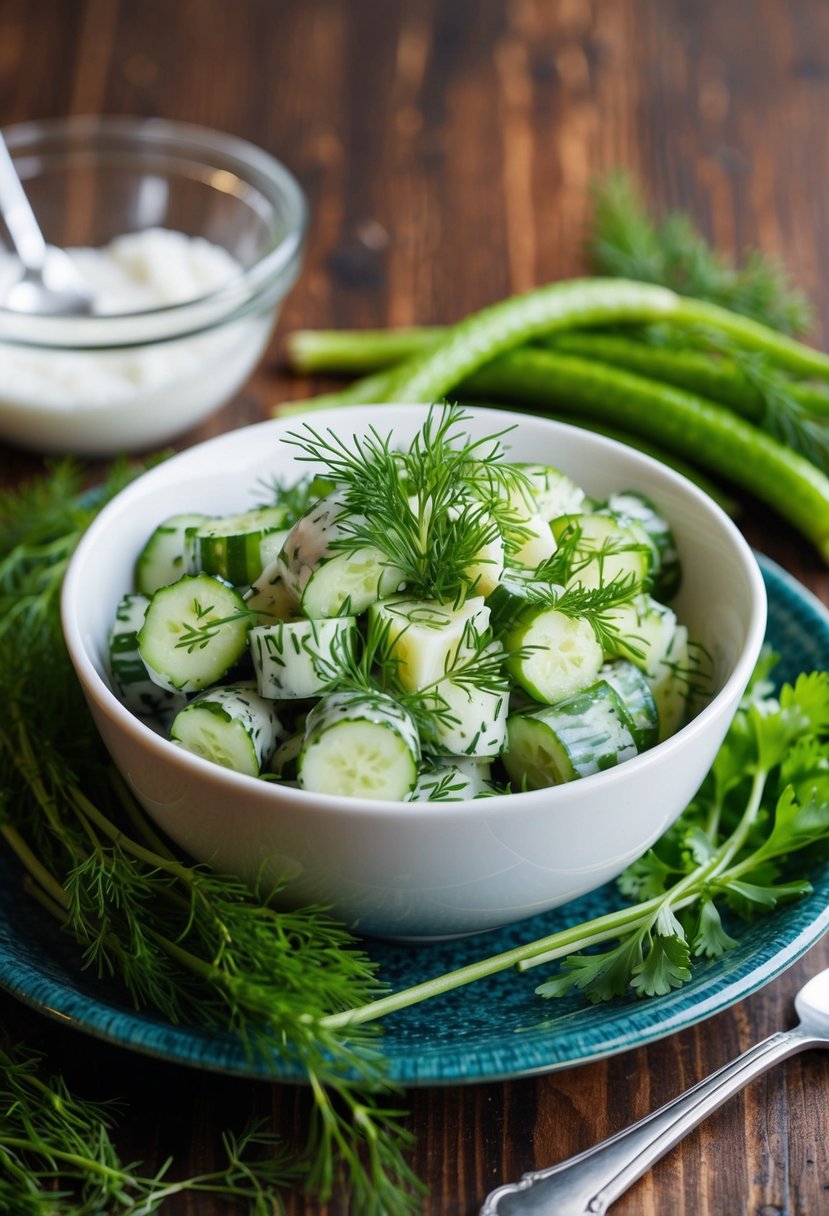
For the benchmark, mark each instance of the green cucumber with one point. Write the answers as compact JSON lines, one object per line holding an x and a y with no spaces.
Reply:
{"x":636,"y":696}
{"x":129,"y":677}
{"x":161,"y":561}
{"x":359,"y":745}
{"x":230,"y":546}
{"x":666,"y":572}
{"x":586,"y":734}
{"x":193,"y":633}
{"x":550,"y":655}
{"x":325,"y":579}
{"x":605,"y":549}
{"x":294,"y":660}
{"x":232,"y":726}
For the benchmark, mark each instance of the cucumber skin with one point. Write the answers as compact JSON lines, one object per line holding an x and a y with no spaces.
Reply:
{"x":240,"y":707}
{"x":581,"y":757}
{"x":283,"y":655}
{"x":130,"y":680}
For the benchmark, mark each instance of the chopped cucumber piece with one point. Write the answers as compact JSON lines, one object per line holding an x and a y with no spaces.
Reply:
{"x":130,"y":679}
{"x":229,"y":547}
{"x":451,"y":779}
{"x":605,"y":549}
{"x":550,"y":655}
{"x":294,"y":660}
{"x":537,"y":546}
{"x":636,"y":696}
{"x":161,"y":561}
{"x":469,"y":721}
{"x":666,"y":571}
{"x":193,"y":632}
{"x":670,"y":681}
{"x":553,"y":492}
{"x":232,"y":726}
{"x":425,"y":638}
{"x":643,"y":631}
{"x":328,"y":581}
{"x":359,"y":745}
{"x":586,"y":734}
{"x":270,"y":598}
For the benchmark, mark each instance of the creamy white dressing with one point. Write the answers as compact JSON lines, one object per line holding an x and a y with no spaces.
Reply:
{"x":135,"y":273}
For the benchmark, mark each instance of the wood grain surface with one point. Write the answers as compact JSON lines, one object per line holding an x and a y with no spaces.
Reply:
{"x":447,"y":150}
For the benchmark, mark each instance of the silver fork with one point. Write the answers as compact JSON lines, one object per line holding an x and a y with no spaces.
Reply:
{"x":587,"y":1184}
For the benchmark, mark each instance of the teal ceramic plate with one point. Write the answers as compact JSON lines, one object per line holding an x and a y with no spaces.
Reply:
{"x":494,"y":1029}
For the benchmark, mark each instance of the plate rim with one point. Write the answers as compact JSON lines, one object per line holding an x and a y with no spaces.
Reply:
{"x":221,"y":1053}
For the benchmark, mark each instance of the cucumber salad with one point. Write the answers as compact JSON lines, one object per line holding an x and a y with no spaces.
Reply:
{"x":427,"y":624}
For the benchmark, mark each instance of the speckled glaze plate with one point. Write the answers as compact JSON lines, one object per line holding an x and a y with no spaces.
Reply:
{"x":494,"y":1029}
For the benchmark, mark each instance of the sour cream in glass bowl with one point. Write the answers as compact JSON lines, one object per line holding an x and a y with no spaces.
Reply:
{"x":189,"y":239}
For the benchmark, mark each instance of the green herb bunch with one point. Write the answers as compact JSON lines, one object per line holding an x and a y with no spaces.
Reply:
{"x":200,"y":948}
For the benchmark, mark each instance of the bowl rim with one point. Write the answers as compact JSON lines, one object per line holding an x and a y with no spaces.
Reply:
{"x":270,"y":275}
{"x":98,"y":689}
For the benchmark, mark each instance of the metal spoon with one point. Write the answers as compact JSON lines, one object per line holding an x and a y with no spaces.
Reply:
{"x":587,"y":1184}
{"x":50,"y":284}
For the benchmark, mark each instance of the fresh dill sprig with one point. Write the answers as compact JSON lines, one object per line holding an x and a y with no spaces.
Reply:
{"x":625,"y":241}
{"x":201,"y":948}
{"x":430,"y":510}
{"x":58,"y":1155}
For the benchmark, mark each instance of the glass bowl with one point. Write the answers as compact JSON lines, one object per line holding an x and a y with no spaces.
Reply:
{"x":128,"y":381}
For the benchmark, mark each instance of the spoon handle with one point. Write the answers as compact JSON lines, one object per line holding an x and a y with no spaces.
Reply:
{"x":587,"y":1184}
{"x":18,"y":215}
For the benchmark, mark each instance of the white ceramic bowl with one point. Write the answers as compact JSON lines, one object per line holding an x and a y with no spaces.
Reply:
{"x":124,"y":382}
{"x":419,"y":869}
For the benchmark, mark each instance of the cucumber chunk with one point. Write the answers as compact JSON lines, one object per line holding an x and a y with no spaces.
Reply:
{"x":230,"y":546}
{"x":294,"y":660}
{"x":129,"y":677}
{"x":636,"y":696}
{"x":605,"y":549}
{"x":161,"y":561}
{"x":326,"y":580}
{"x":359,"y":745}
{"x":585,"y":734}
{"x":193,"y":632}
{"x":552,"y":656}
{"x":232,"y":726}
{"x":553,"y":492}
{"x":426,"y":638}
{"x":451,"y":779}
{"x":666,"y":571}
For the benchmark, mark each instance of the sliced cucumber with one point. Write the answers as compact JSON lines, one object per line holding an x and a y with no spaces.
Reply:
{"x":130,"y":679}
{"x":229,"y":547}
{"x":232,"y":726}
{"x":605,"y":549}
{"x":294,"y":660}
{"x":161,"y":561}
{"x":472,"y":721}
{"x":586,"y":734}
{"x":670,"y":681}
{"x":666,"y":571}
{"x":325,"y":580}
{"x":643,"y":632}
{"x":550,"y":655}
{"x":360,"y":745}
{"x":193,"y":632}
{"x":451,"y":779}
{"x":553,"y":492}
{"x":426,"y":638}
{"x":636,"y":696}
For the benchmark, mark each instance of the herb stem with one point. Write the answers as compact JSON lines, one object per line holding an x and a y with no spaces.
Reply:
{"x":44,"y":879}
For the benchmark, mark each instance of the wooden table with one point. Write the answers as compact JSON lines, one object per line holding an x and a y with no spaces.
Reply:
{"x":447,"y":151}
